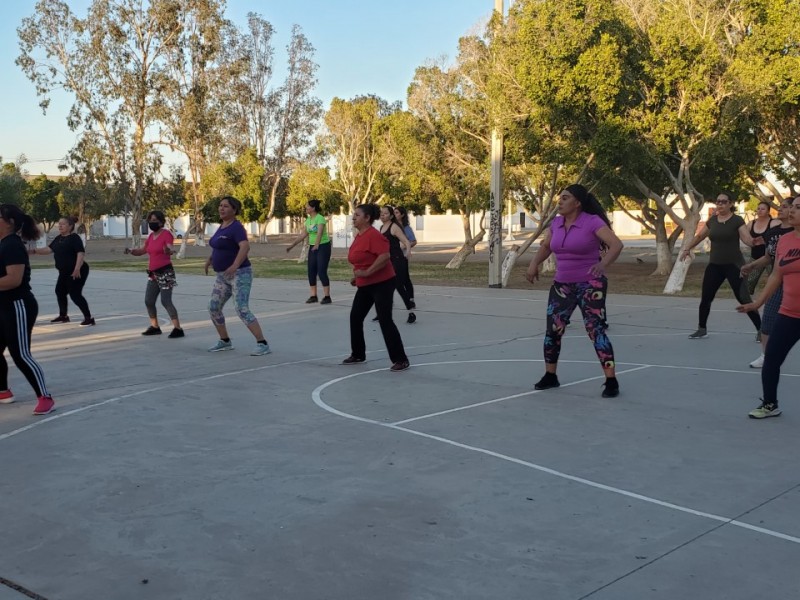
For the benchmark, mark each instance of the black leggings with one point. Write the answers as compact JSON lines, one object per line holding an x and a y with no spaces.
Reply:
{"x":16,"y":325}
{"x":784,"y":336}
{"x":379,"y":294}
{"x":403,"y":280}
{"x":712,"y":280}
{"x":67,"y":287}
{"x":318,"y":261}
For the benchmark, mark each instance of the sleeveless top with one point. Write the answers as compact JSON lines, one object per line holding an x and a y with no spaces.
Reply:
{"x":761,"y":249}
{"x":395,"y":251}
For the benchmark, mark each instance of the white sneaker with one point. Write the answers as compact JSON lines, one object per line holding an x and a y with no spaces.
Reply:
{"x":260,"y":350}
{"x":221,"y":346}
{"x":757,"y":363}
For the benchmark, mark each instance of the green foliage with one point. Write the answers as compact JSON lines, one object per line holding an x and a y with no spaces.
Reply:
{"x":308,"y":182}
{"x":41,"y":201}
{"x":240,"y":179}
{"x":350,"y":139}
{"x":12,"y":184}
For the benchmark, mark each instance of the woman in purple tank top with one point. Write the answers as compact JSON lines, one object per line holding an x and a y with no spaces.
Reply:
{"x":578,"y":236}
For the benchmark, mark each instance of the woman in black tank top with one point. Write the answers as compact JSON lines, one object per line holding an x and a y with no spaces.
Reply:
{"x":393,"y":232}
{"x":758,"y":227}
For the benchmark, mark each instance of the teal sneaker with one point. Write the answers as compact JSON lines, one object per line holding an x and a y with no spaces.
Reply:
{"x":260,"y":350}
{"x":765,"y":411}
{"x":221,"y":346}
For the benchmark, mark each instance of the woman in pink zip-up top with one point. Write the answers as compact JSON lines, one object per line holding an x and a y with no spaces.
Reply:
{"x":581,"y":238}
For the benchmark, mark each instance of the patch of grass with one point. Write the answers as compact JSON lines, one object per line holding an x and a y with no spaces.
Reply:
{"x":624,"y":278}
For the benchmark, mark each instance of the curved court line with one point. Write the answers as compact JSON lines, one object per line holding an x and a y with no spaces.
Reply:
{"x":80,"y":409}
{"x":317,"y":397}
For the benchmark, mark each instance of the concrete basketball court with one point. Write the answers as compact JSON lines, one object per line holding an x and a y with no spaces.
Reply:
{"x":171,"y":473}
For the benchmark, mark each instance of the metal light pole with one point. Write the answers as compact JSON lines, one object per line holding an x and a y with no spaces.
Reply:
{"x":496,"y":198}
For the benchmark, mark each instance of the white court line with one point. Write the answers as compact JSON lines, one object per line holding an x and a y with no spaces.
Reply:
{"x":545,"y":300}
{"x":61,"y":415}
{"x":512,"y":397}
{"x":317,"y":397}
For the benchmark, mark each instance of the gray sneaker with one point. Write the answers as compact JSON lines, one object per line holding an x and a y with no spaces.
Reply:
{"x":700,"y":333}
{"x":260,"y":350}
{"x":221,"y":346}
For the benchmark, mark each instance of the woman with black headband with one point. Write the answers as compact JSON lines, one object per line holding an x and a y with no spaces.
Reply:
{"x":18,"y":307}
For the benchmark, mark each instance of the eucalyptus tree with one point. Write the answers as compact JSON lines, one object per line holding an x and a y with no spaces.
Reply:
{"x":451,"y":105}
{"x":112,"y":62}
{"x":279,"y":121}
{"x":190,"y":105}
{"x":349,"y":138}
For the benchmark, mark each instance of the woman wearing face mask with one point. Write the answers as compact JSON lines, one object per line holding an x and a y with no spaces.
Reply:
{"x":18,"y":307}
{"x":67,"y":249}
{"x":161,"y":274}
{"x":725,"y":229}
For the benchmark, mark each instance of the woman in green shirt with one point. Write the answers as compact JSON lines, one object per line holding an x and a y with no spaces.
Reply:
{"x":319,"y":252}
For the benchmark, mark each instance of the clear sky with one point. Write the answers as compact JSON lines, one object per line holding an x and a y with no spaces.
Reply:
{"x":361,"y":47}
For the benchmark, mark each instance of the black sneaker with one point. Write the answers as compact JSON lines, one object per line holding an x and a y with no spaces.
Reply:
{"x":152,"y":331}
{"x":550,"y":380}
{"x":412,"y":303}
{"x":311,"y":300}
{"x":60,"y":319}
{"x":376,"y":319}
{"x":352,"y":360}
{"x":610,"y":388}
{"x":412,"y":318}
{"x":87,"y":322}
{"x":176,"y":333}
{"x":326,"y":300}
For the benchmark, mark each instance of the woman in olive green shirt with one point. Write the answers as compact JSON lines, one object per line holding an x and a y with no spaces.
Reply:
{"x":319,"y":252}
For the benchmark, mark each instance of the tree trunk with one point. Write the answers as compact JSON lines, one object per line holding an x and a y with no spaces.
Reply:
{"x":549,"y":265}
{"x":663,"y":251}
{"x":681,"y":267}
{"x":508,"y":264}
{"x":303,"y":252}
{"x":469,"y":243}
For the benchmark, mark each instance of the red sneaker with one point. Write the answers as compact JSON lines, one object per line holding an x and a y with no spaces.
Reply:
{"x":6,"y":397}
{"x":44,"y":406}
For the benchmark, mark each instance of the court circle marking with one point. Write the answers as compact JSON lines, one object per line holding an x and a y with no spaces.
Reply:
{"x":316,"y":395}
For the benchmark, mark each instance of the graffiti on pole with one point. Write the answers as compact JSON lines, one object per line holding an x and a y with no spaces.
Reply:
{"x":494,"y":229}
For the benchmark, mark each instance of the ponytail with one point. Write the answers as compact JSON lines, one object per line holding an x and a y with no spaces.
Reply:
{"x":24,"y":225}
{"x":589,"y":203}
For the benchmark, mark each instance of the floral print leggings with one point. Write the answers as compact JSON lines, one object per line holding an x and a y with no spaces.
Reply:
{"x":590,"y":297}
{"x":238,"y":287}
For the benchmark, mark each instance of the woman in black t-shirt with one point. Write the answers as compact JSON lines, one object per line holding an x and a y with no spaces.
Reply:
{"x":67,"y":249}
{"x":18,"y":307}
{"x":725,"y":230}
